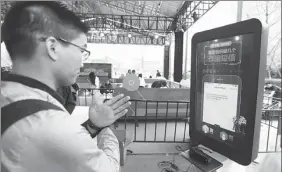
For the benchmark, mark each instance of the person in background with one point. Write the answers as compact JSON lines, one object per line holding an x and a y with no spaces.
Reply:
{"x":156,"y":84}
{"x":128,"y":72}
{"x":94,"y":83}
{"x":133,"y":72}
{"x":107,"y":87}
{"x":163,"y":84}
{"x":142,"y":81}
{"x":94,"y":80}
{"x":150,"y":77}
{"x":158,"y":74}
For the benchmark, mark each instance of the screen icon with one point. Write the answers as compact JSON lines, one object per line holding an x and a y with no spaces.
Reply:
{"x":205,"y":129}
{"x":230,"y":137}
{"x":211,"y":131}
{"x":223,"y":136}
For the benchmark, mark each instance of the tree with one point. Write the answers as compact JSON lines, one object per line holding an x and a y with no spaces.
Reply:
{"x":270,"y":13}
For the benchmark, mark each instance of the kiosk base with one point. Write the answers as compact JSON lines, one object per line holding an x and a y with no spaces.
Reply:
{"x":212,"y":166}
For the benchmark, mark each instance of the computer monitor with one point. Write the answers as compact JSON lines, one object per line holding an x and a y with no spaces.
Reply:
{"x":227,"y":79}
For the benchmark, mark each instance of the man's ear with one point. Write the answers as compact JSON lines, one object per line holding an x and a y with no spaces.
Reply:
{"x":52,"y":46}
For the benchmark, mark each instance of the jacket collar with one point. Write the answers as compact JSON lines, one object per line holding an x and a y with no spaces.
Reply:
{"x":33,"y":84}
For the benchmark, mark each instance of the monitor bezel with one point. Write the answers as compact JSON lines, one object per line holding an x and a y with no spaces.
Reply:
{"x":253,"y":26}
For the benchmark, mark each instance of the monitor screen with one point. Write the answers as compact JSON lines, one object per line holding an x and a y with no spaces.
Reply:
{"x":220,"y":72}
{"x":220,"y":104}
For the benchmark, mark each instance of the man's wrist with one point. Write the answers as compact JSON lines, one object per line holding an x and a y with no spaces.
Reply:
{"x":93,"y":130}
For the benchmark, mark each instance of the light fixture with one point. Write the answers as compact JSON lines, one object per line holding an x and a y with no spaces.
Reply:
{"x":237,"y":38}
{"x":129,"y":35}
{"x":216,"y":40}
{"x":156,"y":36}
{"x":102,"y":34}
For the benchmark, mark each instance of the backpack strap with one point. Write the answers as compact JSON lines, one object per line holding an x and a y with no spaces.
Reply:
{"x":15,"y":111}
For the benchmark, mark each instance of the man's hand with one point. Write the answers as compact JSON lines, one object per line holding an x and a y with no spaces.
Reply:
{"x":105,"y":114}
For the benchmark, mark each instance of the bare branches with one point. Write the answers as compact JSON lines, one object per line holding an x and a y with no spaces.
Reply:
{"x":279,"y":19}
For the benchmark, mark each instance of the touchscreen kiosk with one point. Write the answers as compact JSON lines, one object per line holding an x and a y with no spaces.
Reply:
{"x":228,"y":65}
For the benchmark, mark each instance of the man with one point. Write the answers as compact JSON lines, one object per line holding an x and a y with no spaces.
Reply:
{"x":47,"y":42}
{"x":128,"y":72}
{"x":158,"y":74}
{"x":163,"y":84}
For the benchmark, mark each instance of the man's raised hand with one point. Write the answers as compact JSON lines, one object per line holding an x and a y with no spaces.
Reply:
{"x":105,"y":114}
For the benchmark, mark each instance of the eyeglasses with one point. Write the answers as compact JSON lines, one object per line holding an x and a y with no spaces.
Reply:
{"x":85,"y":53}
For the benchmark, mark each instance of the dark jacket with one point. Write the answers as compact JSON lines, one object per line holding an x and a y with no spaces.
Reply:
{"x":69,"y":97}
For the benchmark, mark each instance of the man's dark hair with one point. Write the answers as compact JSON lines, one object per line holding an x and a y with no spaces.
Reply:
{"x":163,"y":83}
{"x":133,"y":71}
{"x":27,"y":21}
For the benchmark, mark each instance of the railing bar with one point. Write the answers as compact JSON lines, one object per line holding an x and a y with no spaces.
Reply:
{"x":135,"y":112}
{"x":125,"y":117}
{"x":85,"y":97}
{"x":268,"y":136}
{"x":146,"y":122}
{"x":176,"y":121}
{"x":186,"y":122}
{"x":279,"y":121}
{"x":156,"y":121}
{"x":166,"y":120}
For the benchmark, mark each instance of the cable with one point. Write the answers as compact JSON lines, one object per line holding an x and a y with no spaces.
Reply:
{"x":171,"y":166}
{"x":179,"y":148}
{"x":189,"y":168}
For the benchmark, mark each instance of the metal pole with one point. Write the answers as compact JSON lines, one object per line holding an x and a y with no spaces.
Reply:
{"x":186,"y":54}
{"x":239,"y":11}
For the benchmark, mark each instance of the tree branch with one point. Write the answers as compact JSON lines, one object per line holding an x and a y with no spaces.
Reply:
{"x":274,"y":23}
{"x":273,"y":53}
{"x":277,"y":36}
{"x":261,"y":6}
{"x":274,"y":7}
{"x":274,"y":48}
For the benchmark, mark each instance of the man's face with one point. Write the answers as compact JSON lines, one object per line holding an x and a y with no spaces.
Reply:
{"x":69,"y":60}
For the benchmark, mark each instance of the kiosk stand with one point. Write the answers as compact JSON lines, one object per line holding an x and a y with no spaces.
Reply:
{"x":227,"y":80}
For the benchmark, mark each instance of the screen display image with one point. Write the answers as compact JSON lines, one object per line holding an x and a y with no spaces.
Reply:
{"x":223,"y":52}
{"x":220,"y":104}
{"x":220,"y":71}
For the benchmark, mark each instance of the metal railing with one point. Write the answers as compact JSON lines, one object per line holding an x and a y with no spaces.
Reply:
{"x":270,"y":102}
{"x":157,"y":121}
{"x":270,"y":131}
{"x":154,"y":121}
{"x":85,"y":96}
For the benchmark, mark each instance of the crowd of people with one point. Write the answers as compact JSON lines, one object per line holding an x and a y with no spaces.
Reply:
{"x":157,"y":84}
